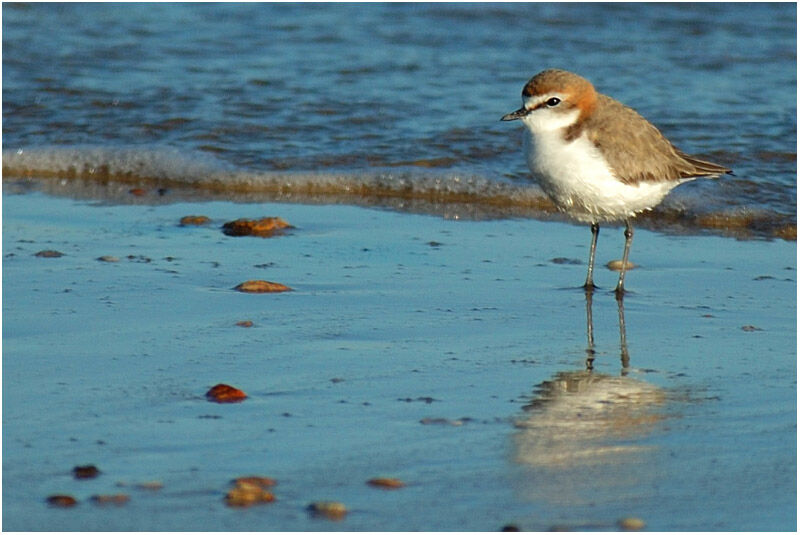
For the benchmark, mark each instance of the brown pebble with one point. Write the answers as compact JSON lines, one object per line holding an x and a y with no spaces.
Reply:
{"x":386,"y":483}
{"x":510,"y":527}
{"x":265,"y":227}
{"x":250,"y":490}
{"x":631,"y":524}
{"x":245,"y":323}
{"x":259,"y":481}
{"x":616,"y":265}
{"x":194,"y":220}
{"x":223,"y":393}
{"x":62,"y":500}
{"x":245,"y":495}
{"x":88,"y":471}
{"x":110,"y":499}
{"x":48,"y":253}
{"x":330,"y":510}
{"x":260,"y":287}
{"x":137,"y":191}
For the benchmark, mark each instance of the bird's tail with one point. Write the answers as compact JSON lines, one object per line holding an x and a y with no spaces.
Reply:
{"x":704,"y":168}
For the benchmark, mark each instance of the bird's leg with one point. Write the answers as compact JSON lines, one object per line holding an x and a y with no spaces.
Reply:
{"x":628,"y":240}
{"x":589,"y":284}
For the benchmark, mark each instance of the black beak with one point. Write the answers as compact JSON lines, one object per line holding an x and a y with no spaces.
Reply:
{"x":514,"y":115}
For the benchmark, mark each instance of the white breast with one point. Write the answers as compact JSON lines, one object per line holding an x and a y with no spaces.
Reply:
{"x":577,"y":178}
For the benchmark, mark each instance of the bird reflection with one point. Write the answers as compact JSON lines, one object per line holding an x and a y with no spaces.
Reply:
{"x":623,"y":342}
{"x":583,"y":418}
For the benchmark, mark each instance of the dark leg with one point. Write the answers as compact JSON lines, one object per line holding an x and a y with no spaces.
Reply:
{"x":628,"y":240}
{"x":589,"y":284}
{"x":589,"y":332}
{"x":623,"y":341}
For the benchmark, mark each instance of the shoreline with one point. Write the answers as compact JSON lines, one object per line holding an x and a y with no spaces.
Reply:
{"x":432,"y":196}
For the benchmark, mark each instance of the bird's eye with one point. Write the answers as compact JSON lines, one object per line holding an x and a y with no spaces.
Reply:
{"x":552,"y":102}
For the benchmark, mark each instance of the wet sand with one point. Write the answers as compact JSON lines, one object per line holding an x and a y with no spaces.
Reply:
{"x":450,"y":355}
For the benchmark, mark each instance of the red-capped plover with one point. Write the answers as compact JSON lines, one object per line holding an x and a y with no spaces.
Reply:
{"x":597,"y":159}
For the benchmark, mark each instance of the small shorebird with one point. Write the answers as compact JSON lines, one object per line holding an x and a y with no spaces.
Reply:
{"x":597,"y":159}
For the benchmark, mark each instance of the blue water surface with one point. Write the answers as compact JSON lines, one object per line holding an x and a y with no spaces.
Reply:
{"x":343,"y":87}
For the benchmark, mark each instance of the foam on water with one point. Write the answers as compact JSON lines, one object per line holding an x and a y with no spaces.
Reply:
{"x":110,"y":174}
{"x":200,"y":176}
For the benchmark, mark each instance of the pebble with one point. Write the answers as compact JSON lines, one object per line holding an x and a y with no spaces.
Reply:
{"x":245,"y":494}
{"x":265,"y":227}
{"x":62,"y":500}
{"x":194,"y":220}
{"x":631,"y":524}
{"x":108,"y":258}
{"x":245,"y":323}
{"x":223,"y":393}
{"x":260,"y":481}
{"x":48,"y":253}
{"x":386,"y":483}
{"x":261,"y":286}
{"x":616,"y":265}
{"x":88,"y":471}
{"x":330,"y":510}
{"x":139,"y":259}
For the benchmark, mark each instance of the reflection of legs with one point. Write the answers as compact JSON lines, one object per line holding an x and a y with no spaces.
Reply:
{"x":589,"y":332}
{"x":628,"y":240}
{"x":625,"y":358}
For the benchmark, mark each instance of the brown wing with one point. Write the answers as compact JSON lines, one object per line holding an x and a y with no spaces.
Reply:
{"x":638,"y":151}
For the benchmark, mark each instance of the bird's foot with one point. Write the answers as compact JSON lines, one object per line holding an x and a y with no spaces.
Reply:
{"x":620,"y":292}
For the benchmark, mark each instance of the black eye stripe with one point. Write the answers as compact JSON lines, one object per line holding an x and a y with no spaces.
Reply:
{"x":545,"y":104}
{"x":540,"y":105}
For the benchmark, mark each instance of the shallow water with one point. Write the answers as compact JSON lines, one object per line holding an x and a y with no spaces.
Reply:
{"x":449,"y":354}
{"x":395,"y":105}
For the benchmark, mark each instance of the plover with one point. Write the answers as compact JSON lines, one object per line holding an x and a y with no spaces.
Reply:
{"x":597,"y":159}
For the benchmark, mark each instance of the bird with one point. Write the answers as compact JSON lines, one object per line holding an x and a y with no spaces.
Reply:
{"x":597,"y":159}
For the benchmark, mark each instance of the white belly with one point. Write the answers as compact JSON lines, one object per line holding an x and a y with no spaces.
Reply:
{"x":577,"y":179}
